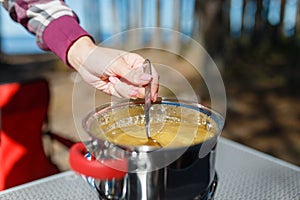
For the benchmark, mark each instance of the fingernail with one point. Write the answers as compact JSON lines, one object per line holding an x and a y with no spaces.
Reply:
{"x":112,"y":80}
{"x":145,"y":77}
{"x":133,"y":93}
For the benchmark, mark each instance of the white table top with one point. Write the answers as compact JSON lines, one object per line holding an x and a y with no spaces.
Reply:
{"x":243,"y":173}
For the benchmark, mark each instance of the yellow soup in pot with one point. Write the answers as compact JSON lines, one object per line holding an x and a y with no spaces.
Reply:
{"x":167,"y":134}
{"x":170,"y":125}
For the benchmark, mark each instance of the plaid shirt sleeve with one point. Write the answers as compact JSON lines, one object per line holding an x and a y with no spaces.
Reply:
{"x":52,"y":21}
{"x":35,"y":16}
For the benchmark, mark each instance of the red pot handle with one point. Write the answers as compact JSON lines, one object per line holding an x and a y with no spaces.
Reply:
{"x":99,"y":169}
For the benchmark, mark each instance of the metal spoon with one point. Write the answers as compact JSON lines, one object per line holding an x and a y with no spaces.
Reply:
{"x":151,"y":141}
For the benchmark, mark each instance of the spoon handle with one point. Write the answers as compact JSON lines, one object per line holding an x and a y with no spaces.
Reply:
{"x":147,"y":69}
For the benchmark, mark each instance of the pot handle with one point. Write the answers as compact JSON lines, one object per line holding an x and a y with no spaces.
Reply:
{"x":98,"y":169}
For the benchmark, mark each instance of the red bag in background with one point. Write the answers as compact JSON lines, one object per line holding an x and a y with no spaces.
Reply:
{"x":23,"y":111}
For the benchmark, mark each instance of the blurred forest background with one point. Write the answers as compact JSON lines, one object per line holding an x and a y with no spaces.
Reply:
{"x":255,"y":44}
{"x":258,"y":42}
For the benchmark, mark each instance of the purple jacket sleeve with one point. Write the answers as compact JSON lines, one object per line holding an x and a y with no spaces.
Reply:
{"x":55,"y":25}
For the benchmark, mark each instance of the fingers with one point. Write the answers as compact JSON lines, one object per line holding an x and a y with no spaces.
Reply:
{"x":113,"y":85}
{"x":118,"y":73}
{"x":123,"y":89}
{"x":133,"y":73}
{"x":137,"y":78}
{"x":134,"y":76}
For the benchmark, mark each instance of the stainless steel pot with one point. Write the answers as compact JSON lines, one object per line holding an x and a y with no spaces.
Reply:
{"x":145,"y":172}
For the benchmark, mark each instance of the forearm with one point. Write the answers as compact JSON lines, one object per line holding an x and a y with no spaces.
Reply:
{"x":79,"y":52}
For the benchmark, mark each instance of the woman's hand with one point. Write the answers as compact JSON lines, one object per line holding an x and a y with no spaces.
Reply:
{"x":112,"y":71}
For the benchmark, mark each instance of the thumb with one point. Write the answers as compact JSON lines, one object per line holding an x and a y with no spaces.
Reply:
{"x":135,"y":76}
